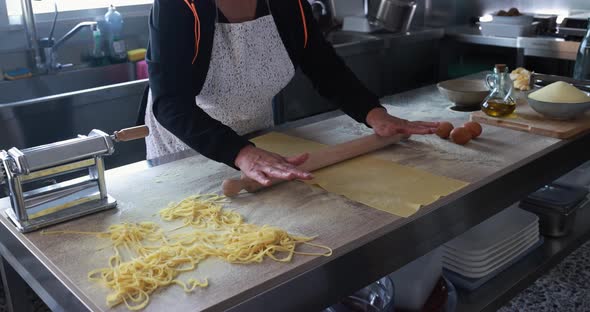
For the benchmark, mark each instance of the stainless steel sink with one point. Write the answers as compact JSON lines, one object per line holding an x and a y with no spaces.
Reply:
{"x":51,"y":108}
{"x":343,"y":38}
{"x":64,"y":82}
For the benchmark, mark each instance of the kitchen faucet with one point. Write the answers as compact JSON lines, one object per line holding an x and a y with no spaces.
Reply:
{"x":35,"y":61}
{"x":43,"y":58}
{"x":50,"y":49}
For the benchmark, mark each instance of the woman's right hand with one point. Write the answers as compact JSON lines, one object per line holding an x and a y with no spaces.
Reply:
{"x":264,"y":166}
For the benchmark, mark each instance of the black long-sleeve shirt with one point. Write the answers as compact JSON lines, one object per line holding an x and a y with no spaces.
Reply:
{"x":179,"y":51}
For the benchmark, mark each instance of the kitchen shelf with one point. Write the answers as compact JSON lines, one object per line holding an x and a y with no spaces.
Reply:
{"x":501,"y":289}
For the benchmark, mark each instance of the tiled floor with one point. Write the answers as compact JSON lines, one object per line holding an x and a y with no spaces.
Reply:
{"x":566,"y":288}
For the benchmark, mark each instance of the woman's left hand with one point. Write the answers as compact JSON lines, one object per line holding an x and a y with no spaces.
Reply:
{"x":386,"y":125}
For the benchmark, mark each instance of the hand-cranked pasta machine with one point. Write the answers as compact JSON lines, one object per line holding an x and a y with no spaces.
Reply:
{"x":35,"y":205}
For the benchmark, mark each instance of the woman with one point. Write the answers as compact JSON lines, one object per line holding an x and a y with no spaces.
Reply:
{"x":215,"y":65}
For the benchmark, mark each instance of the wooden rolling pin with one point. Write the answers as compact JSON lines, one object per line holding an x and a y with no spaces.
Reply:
{"x":322,"y":158}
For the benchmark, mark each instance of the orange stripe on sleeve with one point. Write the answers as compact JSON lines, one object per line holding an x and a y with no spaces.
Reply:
{"x":197,"y":33}
{"x":304,"y":24}
{"x":197,"y":28}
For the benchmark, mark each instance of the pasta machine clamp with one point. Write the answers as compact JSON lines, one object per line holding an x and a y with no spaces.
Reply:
{"x":31,"y":175}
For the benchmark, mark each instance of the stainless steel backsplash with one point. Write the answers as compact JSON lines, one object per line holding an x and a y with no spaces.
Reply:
{"x":448,"y":12}
{"x":356,"y":8}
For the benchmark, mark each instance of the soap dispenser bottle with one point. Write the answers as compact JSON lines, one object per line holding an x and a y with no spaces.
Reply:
{"x":117,"y":47}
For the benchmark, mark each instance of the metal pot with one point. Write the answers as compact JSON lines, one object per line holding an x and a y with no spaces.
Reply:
{"x":392,"y":15}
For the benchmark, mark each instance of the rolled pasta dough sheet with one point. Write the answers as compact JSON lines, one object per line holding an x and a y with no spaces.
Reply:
{"x":377,"y":183}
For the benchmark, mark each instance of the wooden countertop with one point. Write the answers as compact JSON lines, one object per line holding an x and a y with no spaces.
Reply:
{"x":339,"y":223}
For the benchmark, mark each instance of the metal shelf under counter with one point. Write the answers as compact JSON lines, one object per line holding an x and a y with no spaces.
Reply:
{"x":506,"y":285}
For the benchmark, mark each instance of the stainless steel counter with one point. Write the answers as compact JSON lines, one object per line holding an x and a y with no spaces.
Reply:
{"x":502,"y":167}
{"x":386,"y":40}
{"x":540,"y":46}
{"x":413,"y":36}
{"x":556,"y":48}
{"x":472,"y":35}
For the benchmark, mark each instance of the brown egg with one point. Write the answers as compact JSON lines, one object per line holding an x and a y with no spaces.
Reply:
{"x":444,"y":129}
{"x":460,"y":136}
{"x":474,"y":128}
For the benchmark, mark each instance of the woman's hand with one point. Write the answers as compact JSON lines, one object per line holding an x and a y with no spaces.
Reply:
{"x":386,"y":125}
{"x":264,"y":166}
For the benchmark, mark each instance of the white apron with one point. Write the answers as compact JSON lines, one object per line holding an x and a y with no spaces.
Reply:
{"x":249,"y":66}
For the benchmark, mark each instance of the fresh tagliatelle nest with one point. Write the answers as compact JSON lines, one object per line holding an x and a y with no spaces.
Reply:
{"x":157,"y":258}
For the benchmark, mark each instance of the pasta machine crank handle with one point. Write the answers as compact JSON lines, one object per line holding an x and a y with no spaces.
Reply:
{"x":130,"y":134}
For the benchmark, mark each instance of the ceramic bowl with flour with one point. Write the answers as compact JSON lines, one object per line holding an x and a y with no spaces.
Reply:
{"x":559,"y":100}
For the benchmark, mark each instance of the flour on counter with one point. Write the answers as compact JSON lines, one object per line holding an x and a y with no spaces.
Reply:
{"x":447,"y":150}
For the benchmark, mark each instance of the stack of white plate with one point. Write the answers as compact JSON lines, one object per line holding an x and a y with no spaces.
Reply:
{"x":491,"y":246}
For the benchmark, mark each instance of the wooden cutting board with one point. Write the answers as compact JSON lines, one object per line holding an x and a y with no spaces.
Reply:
{"x":526,"y":119}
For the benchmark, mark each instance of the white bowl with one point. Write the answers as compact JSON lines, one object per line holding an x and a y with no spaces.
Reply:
{"x":559,"y":111}
{"x":464,"y":92}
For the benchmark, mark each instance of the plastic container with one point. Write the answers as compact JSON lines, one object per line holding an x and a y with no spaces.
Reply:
{"x":577,"y":177}
{"x":377,"y":297}
{"x":141,"y":70}
{"x":556,"y":205}
{"x":508,"y":30}
{"x":513,"y":20}
{"x":415,"y":281}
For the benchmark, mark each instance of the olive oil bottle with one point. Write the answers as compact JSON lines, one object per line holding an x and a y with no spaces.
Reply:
{"x":499,"y":102}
